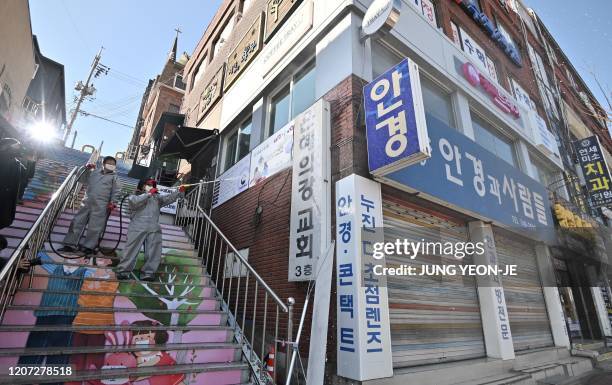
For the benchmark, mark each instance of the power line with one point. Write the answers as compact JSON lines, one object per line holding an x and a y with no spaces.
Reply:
{"x":84,"y":113}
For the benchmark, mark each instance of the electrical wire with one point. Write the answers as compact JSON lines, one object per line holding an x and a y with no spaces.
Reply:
{"x":103,"y":118}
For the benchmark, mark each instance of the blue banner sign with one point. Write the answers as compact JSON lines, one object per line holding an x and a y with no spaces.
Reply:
{"x":462,"y":173}
{"x":595,"y":171}
{"x":494,"y":33}
{"x":395,"y":119}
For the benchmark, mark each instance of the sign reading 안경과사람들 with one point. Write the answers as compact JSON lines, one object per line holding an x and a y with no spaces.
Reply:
{"x":395,"y":119}
{"x":467,"y":176}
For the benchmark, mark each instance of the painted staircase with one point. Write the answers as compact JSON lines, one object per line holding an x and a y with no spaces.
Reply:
{"x":75,"y":313}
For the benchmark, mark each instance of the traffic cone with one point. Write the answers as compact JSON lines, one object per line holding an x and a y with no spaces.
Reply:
{"x":270,"y":361}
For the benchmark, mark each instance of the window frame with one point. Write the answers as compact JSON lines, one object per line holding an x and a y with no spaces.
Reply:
{"x":176,"y":76}
{"x":236,"y":130}
{"x":194,"y":74}
{"x":301,"y":70}
{"x":498,"y":133}
{"x":226,"y":25}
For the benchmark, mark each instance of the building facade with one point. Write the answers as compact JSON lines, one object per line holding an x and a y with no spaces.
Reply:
{"x":17,"y":66}
{"x":157,"y":120}
{"x":45,"y":99}
{"x":283,"y":83}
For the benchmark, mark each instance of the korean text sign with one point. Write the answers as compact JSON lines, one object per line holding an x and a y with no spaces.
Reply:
{"x":595,"y":170}
{"x":364,"y":341}
{"x":472,"y":179}
{"x":395,"y":119}
{"x":309,"y":232}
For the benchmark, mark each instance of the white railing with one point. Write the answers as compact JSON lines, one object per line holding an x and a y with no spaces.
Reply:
{"x":256,"y":313}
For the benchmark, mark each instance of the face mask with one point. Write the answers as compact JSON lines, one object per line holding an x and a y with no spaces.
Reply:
{"x":147,"y":188}
{"x":70,"y":269}
{"x":110,"y":167}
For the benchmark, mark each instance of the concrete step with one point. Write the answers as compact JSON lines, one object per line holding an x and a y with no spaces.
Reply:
{"x":193,"y":353}
{"x":582,"y":379}
{"x":91,"y":290}
{"x":15,"y":336}
{"x":198,"y":374}
{"x":33,"y":298}
{"x":537,"y":357}
{"x":501,"y":379}
{"x":40,"y":281}
{"x":25,"y":315}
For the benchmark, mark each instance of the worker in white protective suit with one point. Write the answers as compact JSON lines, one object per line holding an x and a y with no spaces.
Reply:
{"x":144,"y":228}
{"x":102,"y":188}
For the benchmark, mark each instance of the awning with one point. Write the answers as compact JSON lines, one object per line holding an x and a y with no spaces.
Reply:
{"x":187,"y":141}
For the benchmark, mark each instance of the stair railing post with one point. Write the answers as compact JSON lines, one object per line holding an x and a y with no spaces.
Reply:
{"x":288,"y":350}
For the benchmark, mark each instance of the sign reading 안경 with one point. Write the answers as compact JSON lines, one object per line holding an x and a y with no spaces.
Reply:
{"x":395,"y":119}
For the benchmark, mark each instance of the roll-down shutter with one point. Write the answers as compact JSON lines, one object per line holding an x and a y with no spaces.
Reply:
{"x":527,"y":313}
{"x":433,"y":319}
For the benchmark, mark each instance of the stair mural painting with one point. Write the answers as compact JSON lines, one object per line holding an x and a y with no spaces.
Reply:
{"x":75,"y":312}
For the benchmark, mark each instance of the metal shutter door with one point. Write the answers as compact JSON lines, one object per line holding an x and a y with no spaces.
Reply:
{"x":529,"y":322}
{"x":432,"y":319}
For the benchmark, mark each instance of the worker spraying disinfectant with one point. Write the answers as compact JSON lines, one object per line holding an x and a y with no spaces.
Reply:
{"x":102,"y":187}
{"x":144,"y":228}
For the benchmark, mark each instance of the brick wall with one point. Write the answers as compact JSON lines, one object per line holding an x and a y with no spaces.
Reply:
{"x":268,"y":239}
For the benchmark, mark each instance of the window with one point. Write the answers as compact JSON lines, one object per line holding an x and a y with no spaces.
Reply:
{"x":542,"y":174}
{"x":303,"y":90}
{"x":382,"y":59}
{"x":486,"y":136}
{"x":293,"y":98}
{"x":223,"y":36}
{"x":507,"y":36}
{"x":237,"y":144}
{"x":279,"y":110}
{"x":178,"y":82}
{"x":437,"y":103}
{"x":246,"y":4}
{"x":174,"y":108}
{"x":197,"y":74}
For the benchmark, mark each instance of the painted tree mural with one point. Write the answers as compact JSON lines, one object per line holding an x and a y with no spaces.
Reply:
{"x":178,"y":287}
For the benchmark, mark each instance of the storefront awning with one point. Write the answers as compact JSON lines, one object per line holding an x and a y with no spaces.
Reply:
{"x":187,"y":141}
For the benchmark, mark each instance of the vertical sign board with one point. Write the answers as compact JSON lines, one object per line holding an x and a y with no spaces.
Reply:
{"x":363,"y":335}
{"x":310,"y":192}
{"x":395,"y":119}
{"x":595,"y":170}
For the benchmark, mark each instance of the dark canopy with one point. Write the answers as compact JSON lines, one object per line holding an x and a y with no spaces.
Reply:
{"x":187,"y":141}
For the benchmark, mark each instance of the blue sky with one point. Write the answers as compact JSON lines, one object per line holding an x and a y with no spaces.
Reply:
{"x":583,"y":29}
{"x":137,"y":35}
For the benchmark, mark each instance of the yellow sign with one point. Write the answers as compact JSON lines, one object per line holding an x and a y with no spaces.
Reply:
{"x":568,"y":220}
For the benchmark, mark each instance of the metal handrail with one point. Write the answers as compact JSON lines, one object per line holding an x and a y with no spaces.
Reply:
{"x":220,"y":258}
{"x":10,"y":276}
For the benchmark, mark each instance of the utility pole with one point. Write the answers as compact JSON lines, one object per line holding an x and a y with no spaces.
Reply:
{"x":85,"y":90}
